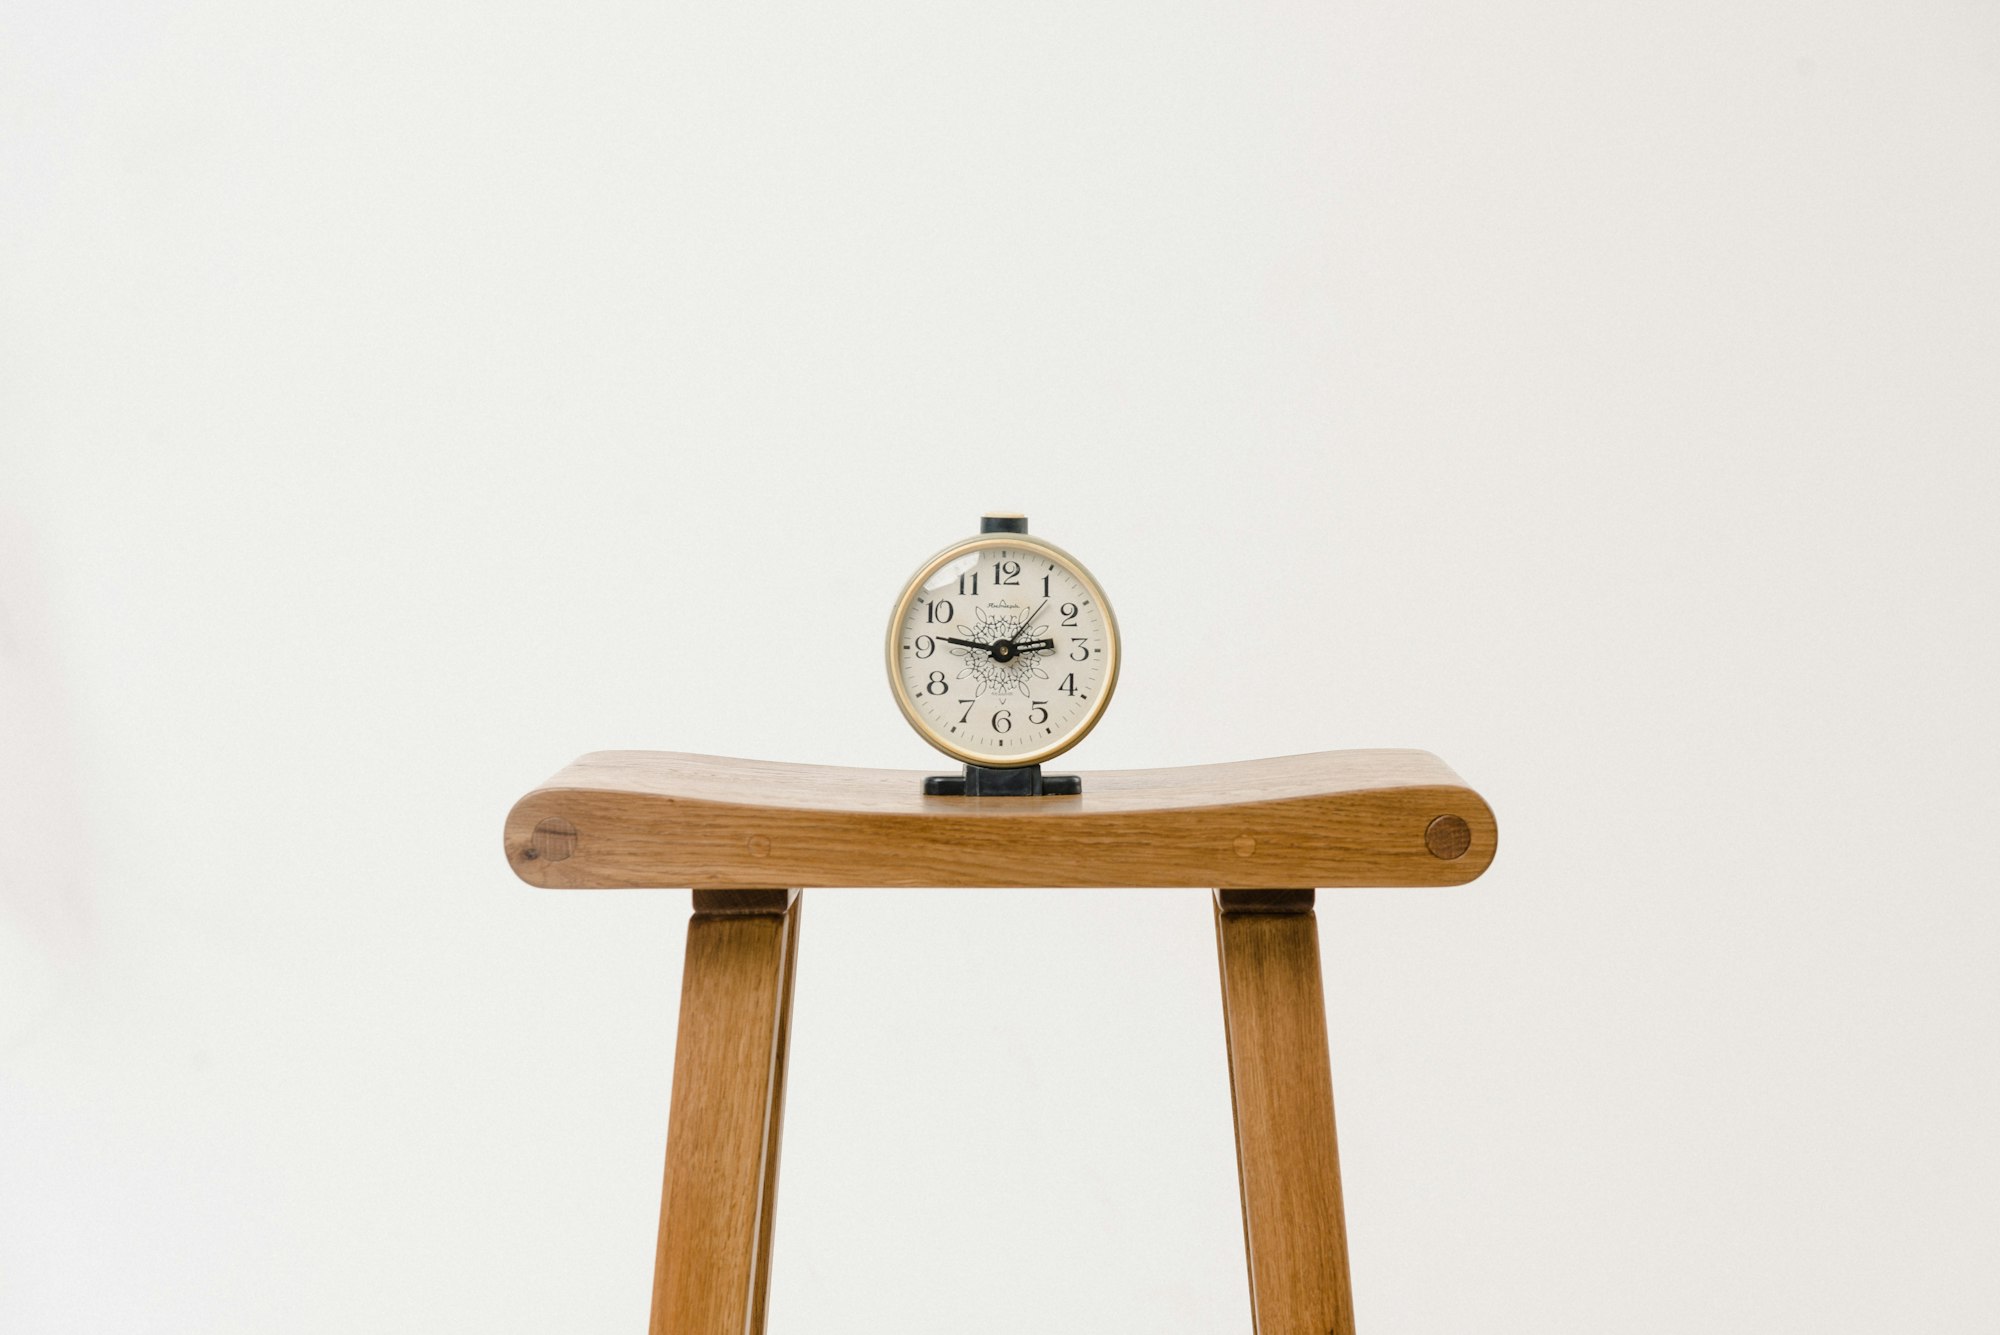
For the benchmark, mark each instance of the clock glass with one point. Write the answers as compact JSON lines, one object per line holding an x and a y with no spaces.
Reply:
{"x":1003,"y":650}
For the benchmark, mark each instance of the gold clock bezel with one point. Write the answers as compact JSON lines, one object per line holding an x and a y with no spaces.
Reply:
{"x":991,"y":541}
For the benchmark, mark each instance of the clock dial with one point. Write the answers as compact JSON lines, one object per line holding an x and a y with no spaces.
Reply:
{"x":1003,"y":651}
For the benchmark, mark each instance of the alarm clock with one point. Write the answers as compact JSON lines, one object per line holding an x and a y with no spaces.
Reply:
{"x":1002,"y":653}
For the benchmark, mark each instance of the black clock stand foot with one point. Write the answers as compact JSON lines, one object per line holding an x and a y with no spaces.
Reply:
{"x":1014,"y":781}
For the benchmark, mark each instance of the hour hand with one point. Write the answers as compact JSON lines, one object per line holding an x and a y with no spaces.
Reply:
{"x":970,"y":644}
{"x":1030,"y":646}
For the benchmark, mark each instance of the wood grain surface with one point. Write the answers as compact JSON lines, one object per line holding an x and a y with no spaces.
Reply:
{"x":712,"y":1267}
{"x":1281,"y":1083}
{"x":635,"y":819}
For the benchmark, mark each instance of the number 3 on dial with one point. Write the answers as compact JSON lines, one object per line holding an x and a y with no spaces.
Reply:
{"x":1003,"y":650}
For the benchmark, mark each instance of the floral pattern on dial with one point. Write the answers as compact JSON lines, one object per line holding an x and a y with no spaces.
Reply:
{"x":988,"y":674}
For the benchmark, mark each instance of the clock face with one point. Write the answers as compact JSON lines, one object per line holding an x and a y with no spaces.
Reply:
{"x":1003,"y":651}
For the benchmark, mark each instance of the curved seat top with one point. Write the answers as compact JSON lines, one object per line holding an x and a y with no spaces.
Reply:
{"x":661,"y":819}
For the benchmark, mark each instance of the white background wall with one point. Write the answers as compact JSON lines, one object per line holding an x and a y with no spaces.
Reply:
{"x":396,"y":401}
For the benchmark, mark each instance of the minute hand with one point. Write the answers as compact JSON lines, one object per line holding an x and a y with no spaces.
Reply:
{"x":970,"y":644}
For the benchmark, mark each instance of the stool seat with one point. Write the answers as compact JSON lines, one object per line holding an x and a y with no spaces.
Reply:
{"x":663,"y":819}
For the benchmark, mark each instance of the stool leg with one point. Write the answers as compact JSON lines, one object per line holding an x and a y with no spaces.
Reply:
{"x":713,"y":1265}
{"x":1282,"y":1087}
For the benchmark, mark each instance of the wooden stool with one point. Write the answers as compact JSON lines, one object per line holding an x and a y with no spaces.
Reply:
{"x":746,"y":836}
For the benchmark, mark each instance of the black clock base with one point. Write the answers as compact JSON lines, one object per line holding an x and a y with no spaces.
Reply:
{"x":1017,"y":781}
